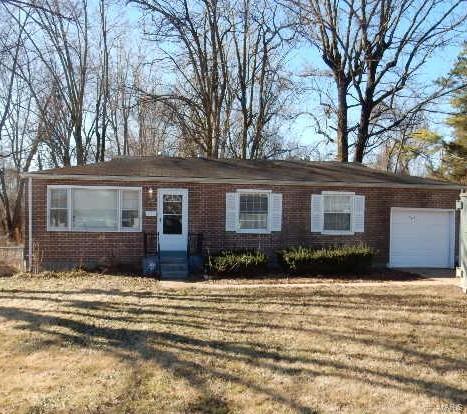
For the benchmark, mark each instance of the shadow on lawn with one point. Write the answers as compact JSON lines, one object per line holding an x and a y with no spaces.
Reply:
{"x":177,"y":352}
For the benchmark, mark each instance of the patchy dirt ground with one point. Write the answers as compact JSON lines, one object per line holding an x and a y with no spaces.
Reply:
{"x":112,"y":344}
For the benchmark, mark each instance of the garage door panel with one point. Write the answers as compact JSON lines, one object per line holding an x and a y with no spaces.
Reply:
{"x":420,"y":238}
{"x":417,"y":250}
{"x":416,"y":261}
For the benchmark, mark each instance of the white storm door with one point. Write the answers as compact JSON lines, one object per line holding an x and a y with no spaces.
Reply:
{"x":172,"y":222}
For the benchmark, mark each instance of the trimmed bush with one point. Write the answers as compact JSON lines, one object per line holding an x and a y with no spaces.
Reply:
{"x":237,"y":263}
{"x":346,"y":259}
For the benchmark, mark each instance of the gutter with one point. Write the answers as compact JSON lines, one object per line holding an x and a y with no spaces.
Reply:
{"x":30,"y":223}
{"x":202,"y":180}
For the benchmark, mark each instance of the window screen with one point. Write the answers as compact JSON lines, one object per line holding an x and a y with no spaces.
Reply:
{"x":58,"y":208}
{"x":337,"y":212}
{"x":130,"y":209}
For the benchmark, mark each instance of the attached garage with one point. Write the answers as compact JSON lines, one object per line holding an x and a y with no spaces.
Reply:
{"x":422,"y":237}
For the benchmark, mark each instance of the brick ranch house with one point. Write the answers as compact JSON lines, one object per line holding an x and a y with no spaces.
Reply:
{"x":125,"y":207}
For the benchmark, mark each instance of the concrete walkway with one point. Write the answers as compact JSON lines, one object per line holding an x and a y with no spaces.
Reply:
{"x":430,"y":272}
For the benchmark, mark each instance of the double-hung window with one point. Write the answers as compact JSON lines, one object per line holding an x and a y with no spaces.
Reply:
{"x":253,"y":211}
{"x":58,"y":209}
{"x":130,"y":210}
{"x":95,"y":208}
{"x":337,"y":212}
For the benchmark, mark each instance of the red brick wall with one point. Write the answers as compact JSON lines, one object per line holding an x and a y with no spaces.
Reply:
{"x":207,"y":216}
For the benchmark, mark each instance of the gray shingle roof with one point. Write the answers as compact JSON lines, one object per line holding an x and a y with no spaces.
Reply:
{"x":248,"y":171}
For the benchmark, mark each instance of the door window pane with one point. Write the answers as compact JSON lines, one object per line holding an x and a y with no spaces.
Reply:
{"x":253,"y":211}
{"x":172,"y":224}
{"x":95,"y":209}
{"x":172,"y":204}
{"x":172,"y":213}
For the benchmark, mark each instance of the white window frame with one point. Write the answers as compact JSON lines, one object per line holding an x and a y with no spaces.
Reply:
{"x":70,"y":228}
{"x":68,"y":203}
{"x":338,"y":232}
{"x":267,"y":230}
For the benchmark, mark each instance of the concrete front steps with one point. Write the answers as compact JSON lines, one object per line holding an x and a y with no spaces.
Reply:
{"x":174,"y":266}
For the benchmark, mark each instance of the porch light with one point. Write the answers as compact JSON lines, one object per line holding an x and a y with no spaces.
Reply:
{"x":151,"y":193}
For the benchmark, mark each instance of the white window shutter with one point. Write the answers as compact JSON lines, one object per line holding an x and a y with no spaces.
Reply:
{"x":316,"y":213}
{"x":231,"y":214}
{"x":358,"y":217}
{"x":276,"y":212}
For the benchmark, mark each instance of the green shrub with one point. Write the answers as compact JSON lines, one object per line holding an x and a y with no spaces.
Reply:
{"x":346,"y":259}
{"x":237,"y":263}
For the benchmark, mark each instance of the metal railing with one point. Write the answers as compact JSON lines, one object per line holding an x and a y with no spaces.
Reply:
{"x":194,"y":244}
{"x":151,"y":244}
{"x":158,"y":246}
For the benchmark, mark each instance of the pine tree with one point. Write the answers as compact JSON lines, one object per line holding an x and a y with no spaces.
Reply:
{"x":454,"y":161}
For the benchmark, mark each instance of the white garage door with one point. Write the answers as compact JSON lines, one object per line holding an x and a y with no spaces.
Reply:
{"x":422,"y":238}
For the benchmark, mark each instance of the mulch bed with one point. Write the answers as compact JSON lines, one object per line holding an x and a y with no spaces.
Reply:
{"x":378,"y":275}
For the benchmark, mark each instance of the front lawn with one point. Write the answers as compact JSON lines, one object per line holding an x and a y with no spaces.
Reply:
{"x":112,"y":344}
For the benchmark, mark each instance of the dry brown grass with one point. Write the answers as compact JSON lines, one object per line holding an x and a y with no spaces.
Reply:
{"x":7,"y":270}
{"x":108,"y":344}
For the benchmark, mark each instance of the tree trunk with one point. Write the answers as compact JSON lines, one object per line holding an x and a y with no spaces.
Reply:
{"x":17,"y":219}
{"x":6,"y":205}
{"x":80,"y":152}
{"x":362,"y":136}
{"x":342,"y":132}
{"x":367,"y":105}
{"x":125,"y":135}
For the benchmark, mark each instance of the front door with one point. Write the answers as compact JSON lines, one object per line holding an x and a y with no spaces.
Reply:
{"x":172,"y":222}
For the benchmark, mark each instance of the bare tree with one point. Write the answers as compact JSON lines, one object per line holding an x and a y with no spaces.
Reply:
{"x":102,"y":87}
{"x":10,"y":69}
{"x":257,"y":77}
{"x":121,"y":100}
{"x":62,"y":48}
{"x":331,"y":28}
{"x":19,"y":142}
{"x":228,"y":60}
{"x":403,"y":151}
{"x":197,"y":30}
{"x":375,"y":49}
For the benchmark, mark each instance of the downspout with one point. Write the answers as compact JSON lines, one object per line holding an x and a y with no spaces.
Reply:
{"x":30,"y":223}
